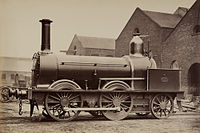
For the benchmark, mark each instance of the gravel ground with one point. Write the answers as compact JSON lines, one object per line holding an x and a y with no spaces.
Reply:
{"x":11,"y":122}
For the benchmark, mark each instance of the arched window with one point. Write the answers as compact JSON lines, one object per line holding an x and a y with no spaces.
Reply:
{"x":196,"y":29}
{"x":75,"y":50}
{"x":74,"y":47}
{"x":174,"y":64}
{"x":136,"y":30}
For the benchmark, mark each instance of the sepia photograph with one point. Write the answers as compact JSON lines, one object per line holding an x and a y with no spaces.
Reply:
{"x":99,"y":66}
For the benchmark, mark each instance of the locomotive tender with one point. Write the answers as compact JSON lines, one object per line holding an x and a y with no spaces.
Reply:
{"x":68,"y":84}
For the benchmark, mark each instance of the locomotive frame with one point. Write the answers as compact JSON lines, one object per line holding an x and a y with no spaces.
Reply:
{"x":135,"y":84}
{"x":115,"y":101}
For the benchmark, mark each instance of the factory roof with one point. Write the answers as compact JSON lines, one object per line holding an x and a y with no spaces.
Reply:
{"x":96,"y":42}
{"x":164,"y":19}
{"x":15,"y":64}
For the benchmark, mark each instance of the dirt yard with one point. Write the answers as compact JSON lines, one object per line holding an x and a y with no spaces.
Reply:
{"x":11,"y":122}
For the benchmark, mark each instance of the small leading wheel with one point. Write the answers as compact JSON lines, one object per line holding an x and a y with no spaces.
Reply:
{"x":58,"y":105}
{"x":162,"y":106}
{"x":116,"y":99}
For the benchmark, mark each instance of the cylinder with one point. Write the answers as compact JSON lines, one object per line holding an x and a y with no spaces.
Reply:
{"x":45,"y":34}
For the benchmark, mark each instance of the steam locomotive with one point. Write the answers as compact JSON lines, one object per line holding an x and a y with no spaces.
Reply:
{"x":68,"y":84}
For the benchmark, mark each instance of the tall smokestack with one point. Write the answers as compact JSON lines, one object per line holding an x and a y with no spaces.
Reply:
{"x":45,"y":34}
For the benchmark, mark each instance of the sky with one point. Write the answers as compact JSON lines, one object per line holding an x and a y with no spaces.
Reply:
{"x":20,"y":29}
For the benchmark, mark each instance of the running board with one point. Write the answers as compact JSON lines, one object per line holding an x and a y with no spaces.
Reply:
{"x":92,"y":109}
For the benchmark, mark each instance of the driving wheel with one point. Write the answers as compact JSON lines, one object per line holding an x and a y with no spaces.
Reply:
{"x":58,"y":105}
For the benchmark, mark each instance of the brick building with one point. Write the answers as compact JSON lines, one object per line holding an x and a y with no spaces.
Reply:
{"x":155,"y":24}
{"x":92,"y":46}
{"x":15,"y":71}
{"x":183,"y":45}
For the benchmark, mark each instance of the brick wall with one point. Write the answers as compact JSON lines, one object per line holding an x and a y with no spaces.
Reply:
{"x":183,"y":45}
{"x":99,"y":52}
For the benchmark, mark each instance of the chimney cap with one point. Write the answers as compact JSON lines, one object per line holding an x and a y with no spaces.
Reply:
{"x":46,"y":21}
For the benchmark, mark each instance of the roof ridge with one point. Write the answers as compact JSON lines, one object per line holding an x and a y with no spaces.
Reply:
{"x":160,"y":12}
{"x":181,"y":20}
{"x":95,"y":37}
{"x":96,"y":42}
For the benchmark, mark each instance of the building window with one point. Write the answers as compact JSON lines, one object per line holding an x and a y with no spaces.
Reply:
{"x":136,"y":30}
{"x":12,"y":76}
{"x":3,"y":76}
{"x":196,"y":29}
{"x":109,"y":55}
{"x":174,"y":64}
{"x":75,"y":50}
{"x":74,"y":47}
{"x":94,"y":55}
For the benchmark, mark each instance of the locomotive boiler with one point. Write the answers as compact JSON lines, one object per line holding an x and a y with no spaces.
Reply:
{"x":68,"y":84}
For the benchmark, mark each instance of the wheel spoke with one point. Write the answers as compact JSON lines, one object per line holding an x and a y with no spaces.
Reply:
{"x":107,"y":97}
{"x":124,"y":97}
{"x":168,"y":110}
{"x":111,"y":95}
{"x":108,"y":105}
{"x":69,"y":95}
{"x":72,"y":98}
{"x":155,"y":108}
{"x":106,"y":101}
{"x":157,"y":98}
{"x":165,"y":99}
{"x":156,"y":103}
{"x":164,"y":112}
{"x":54,"y":97}
{"x":124,"y":106}
{"x":55,"y":106}
{"x":75,"y":106}
{"x":58,"y":95}
{"x":161,"y":113}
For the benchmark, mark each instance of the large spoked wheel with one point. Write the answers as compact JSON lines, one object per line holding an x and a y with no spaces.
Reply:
{"x":162,"y":106}
{"x":111,"y":100}
{"x":116,"y":99}
{"x":58,"y":105}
